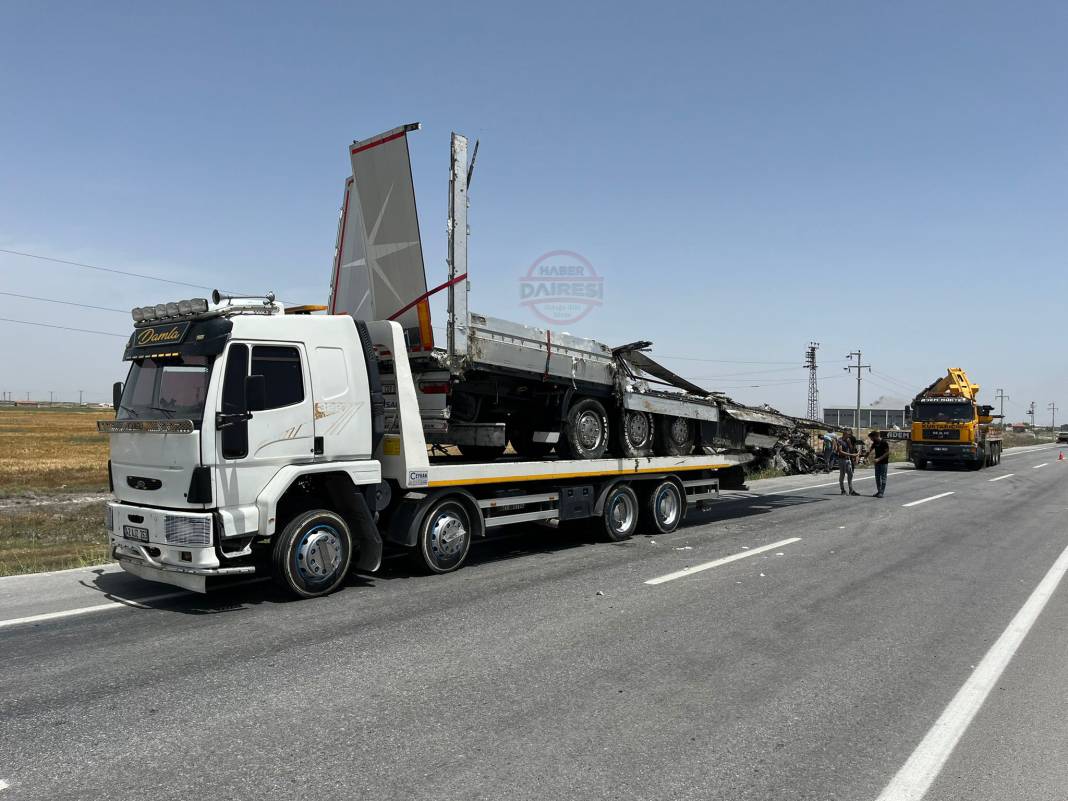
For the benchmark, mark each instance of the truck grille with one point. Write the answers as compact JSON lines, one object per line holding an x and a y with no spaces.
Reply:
{"x":941,"y":433}
{"x":187,"y":530}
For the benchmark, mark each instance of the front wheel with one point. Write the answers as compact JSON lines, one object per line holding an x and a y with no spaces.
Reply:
{"x":445,"y":536}
{"x":312,"y":555}
{"x":920,"y":464}
{"x":585,"y":433}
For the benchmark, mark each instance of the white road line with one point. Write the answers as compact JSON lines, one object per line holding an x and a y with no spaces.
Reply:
{"x":59,"y":572}
{"x":1007,"y":475}
{"x":689,"y":571}
{"x":817,"y":486}
{"x":1030,"y":449}
{"x":919,"y":772}
{"x":925,"y":500}
{"x":4,"y":785}
{"x":1036,"y":466}
{"x":118,"y":603}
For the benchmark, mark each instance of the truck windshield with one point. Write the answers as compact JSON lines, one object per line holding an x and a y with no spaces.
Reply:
{"x":166,"y":388}
{"x":943,"y":412}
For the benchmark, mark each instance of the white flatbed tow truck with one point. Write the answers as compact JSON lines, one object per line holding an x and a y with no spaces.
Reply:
{"x":250,"y":438}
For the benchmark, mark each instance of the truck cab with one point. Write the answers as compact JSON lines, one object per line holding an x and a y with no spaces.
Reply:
{"x":227,"y":412}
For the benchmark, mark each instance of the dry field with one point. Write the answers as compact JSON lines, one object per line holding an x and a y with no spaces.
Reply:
{"x":53,"y":470}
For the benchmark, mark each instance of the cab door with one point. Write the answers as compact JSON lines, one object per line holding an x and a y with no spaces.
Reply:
{"x":282,"y":433}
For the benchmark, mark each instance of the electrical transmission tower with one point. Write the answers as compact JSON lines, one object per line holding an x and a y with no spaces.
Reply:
{"x":813,"y":385}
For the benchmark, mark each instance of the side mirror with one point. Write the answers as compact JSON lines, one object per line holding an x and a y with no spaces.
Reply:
{"x":116,"y":395}
{"x":255,"y":393}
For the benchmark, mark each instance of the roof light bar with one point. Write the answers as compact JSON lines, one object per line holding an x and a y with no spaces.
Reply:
{"x":166,"y":311}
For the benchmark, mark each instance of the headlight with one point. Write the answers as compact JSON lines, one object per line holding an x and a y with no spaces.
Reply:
{"x":172,"y":309}
{"x":161,"y":310}
{"x":184,"y":307}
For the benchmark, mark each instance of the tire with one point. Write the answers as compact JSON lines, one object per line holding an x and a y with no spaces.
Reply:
{"x":482,"y":453}
{"x":444,"y":536}
{"x":634,"y":434}
{"x":585,"y":434}
{"x":620,"y":515}
{"x":522,"y":439}
{"x":675,"y":436}
{"x":664,"y":508}
{"x":312,"y":555}
{"x":920,"y":464}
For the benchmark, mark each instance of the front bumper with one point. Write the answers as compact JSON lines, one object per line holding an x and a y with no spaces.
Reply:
{"x":176,"y":547}
{"x":942,"y":452}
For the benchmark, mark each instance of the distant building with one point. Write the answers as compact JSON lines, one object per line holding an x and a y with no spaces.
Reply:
{"x":884,"y":413}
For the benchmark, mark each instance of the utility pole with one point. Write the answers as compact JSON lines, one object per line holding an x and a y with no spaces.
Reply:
{"x":813,"y":384}
{"x":858,"y":367}
{"x":1052,"y":416}
{"x":51,"y":397}
{"x":1031,"y":412}
{"x":1001,"y":396}
{"x":80,"y":397}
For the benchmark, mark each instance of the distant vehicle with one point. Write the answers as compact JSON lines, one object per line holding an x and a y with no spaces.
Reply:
{"x":948,"y":425}
{"x":1062,"y":436}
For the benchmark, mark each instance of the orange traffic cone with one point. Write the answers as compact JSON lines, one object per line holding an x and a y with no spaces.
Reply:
{"x":1060,"y":456}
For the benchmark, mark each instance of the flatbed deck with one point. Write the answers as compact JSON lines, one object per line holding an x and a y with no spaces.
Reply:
{"x":452,"y":471}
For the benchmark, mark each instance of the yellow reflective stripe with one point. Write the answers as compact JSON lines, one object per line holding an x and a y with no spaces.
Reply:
{"x":557,"y":476}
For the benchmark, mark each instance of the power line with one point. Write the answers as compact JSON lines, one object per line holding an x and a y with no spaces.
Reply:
{"x":904,"y":384}
{"x":103,"y":269}
{"x":65,"y":302}
{"x":63,"y":327}
{"x":745,"y":372}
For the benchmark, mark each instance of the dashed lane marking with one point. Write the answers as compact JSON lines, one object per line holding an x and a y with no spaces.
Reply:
{"x":925,"y":500}
{"x":689,"y":571}
{"x":1007,"y":475}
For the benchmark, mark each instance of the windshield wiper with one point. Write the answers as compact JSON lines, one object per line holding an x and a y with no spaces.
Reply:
{"x":169,"y":412}
{"x":133,"y":412}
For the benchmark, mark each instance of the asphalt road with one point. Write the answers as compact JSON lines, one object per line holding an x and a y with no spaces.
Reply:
{"x":549,"y":669}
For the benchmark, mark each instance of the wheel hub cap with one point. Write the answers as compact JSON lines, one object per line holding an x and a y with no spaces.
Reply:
{"x":447,"y":536}
{"x":637,"y":429}
{"x":319,"y":554}
{"x":589,"y":430}
{"x":680,"y":431}
{"x":667,"y":507}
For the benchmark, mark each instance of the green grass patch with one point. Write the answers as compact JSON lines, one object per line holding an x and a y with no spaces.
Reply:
{"x":52,"y":537}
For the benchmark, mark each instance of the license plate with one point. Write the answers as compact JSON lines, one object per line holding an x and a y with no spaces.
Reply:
{"x":135,"y":533}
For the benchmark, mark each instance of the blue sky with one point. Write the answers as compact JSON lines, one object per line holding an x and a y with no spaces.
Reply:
{"x":746,"y":177}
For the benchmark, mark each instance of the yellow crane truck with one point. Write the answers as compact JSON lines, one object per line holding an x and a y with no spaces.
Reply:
{"x":950,"y":426}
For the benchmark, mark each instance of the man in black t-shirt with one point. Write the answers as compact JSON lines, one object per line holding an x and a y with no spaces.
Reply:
{"x":880,"y":449}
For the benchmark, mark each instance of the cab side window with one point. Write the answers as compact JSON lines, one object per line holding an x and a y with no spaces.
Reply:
{"x":280,"y":367}
{"x":235,"y":437}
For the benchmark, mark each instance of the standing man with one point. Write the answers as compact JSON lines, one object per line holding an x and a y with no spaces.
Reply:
{"x":845,"y":448}
{"x":828,"y":449}
{"x":880,"y":449}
